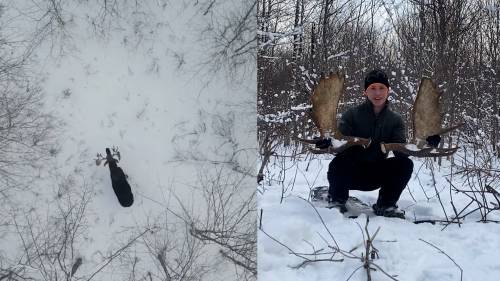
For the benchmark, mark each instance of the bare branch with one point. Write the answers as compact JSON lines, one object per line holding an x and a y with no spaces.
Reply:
{"x":444,"y":253}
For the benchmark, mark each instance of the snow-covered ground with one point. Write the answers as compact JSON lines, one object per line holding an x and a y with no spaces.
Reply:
{"x":154,"y":87}
{"x":402,"y":251}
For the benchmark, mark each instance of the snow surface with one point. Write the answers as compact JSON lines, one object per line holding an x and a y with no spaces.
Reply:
{"x":412,"y":147}
{"x":294,"y":223}
{"x":146,"y":90}
{"x":338,"y":143}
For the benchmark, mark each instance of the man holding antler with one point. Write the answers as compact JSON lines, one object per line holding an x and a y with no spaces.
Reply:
{"x":366,"y":169}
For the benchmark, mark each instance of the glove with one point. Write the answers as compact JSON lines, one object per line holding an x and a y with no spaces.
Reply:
{"x":433,"y":140}
{"x":324,"y":143}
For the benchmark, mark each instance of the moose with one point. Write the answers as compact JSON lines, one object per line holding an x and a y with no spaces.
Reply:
{"x":119,"y":181}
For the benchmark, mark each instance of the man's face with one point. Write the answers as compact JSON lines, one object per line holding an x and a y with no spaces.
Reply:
{"x":377,"y":93}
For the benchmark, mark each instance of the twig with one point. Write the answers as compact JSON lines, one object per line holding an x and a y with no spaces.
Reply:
{"x":369,"y":249}
{"x":352,"y":274}
{"x":322,"y":222}
{"x":387,"y":274}
{"x":117,"y":253}
{"x":260,"y":218}
{"x":442,"y":252}
{"x":437,"y":192}
{"x":370,"y":253}
{"x":434,"y":221}
{"x":305,"y":259}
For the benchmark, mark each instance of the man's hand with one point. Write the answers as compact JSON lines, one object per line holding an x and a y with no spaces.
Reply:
{"x":324,"y":143}
{"x":433,"y":140}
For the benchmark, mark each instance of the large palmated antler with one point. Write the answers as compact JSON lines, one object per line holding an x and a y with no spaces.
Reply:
{"x":325,"y":100}
{"x":426,"y":116}
{"x":100,"y":158}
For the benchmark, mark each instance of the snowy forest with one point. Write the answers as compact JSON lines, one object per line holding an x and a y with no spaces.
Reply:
{"x":197,"y":99}
{"x":453,"y":201}
{"x":456,"y":43}
{"x":159,"y":83}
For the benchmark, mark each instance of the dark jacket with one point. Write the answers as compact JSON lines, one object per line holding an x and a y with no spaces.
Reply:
{"x":361,"y":121}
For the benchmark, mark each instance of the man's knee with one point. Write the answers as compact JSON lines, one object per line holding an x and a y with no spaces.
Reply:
{"x":339,"y":167}
{"x":338,"y":163}
{"x":402,"y":164}
{"x":339,"y":178}
{"x":406,"y":164}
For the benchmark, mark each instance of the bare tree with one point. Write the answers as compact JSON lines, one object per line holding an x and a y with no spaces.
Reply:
{"x":173,"y":254}
{"x":230,"y":223}
{"x":27,"y":132}
{"x":229,"y":36}
{"x":50,"y":246}
{"x":452,"y":42}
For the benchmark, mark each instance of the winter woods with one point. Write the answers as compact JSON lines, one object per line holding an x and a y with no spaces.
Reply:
{"x":456,"y":43}
{"x":155,"y":77}
{"x":453,"y":42}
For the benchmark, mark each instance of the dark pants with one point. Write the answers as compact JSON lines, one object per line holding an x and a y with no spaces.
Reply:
{"x":390,"y":175}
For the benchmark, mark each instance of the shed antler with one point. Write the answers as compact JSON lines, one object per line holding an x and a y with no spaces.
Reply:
{"x":325,"y":99}
{"x":426,"y":116}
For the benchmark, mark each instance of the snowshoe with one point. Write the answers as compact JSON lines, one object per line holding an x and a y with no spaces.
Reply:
{"x":352,"y":208}
{"x":320,"y":193}
{"x":390,"y":212}
{"x":337,"y":205}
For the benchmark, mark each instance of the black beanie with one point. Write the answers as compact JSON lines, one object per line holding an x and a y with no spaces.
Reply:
{"x":376,"y":76}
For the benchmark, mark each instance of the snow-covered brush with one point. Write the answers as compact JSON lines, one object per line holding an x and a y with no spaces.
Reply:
{"x":115,"y":153}
{"x":370,"y":253}
{"x":332,"y":252}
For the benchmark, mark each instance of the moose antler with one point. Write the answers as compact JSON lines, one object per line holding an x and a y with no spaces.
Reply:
{"x":99,"y":156}
{"x":325,"y":99}
{"x":426,"y":116}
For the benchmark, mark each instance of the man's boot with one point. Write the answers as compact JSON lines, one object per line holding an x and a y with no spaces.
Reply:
{"x":388,"y":211}
{"x":332,"y":204}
